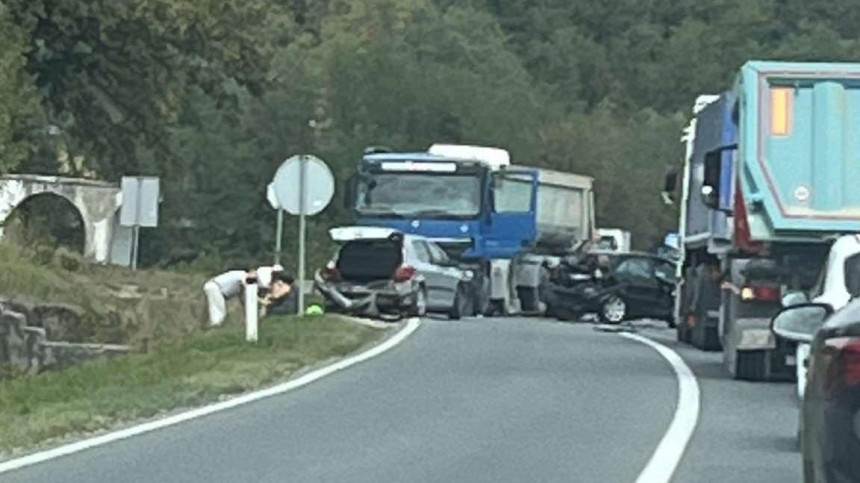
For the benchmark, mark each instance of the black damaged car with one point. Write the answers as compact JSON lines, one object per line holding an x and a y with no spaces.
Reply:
{"x":614,"y":286}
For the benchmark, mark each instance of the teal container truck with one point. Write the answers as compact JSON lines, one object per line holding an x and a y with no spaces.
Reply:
{"x":771,"y":179}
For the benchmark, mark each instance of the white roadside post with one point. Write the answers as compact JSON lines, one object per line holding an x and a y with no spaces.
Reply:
{"x":252,"y":310}
{"x":303,"y":186}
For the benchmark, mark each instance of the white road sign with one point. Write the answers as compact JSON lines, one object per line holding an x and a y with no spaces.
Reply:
{"x":317,"y":179}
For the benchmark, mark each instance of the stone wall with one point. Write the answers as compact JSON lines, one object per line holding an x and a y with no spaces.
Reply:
{"x":32,"y":337}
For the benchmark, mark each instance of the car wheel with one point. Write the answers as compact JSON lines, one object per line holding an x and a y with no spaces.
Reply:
{"x":564,"y":314}
{"x":462,"y":304}
{"x":613,"y":310}
{"x":420,"y":307}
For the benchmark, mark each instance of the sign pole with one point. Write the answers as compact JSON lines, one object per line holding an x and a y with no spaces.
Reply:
{"x":135,"y":240}
{"x":279,"y":235}
{"x":302,"y":229}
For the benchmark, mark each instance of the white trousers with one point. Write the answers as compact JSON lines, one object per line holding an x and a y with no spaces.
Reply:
{"x":216,"y":303}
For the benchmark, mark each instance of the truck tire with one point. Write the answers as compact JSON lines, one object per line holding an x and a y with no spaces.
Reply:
{"x":682,"y":332}
{"x":529,"y":299}
{"x":706,"y":295}
{"x":682,"y":329}
{"x":751,"y":365}
{"x":463,"y":305}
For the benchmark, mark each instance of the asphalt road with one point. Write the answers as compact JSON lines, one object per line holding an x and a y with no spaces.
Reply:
{"x":477,"y":400}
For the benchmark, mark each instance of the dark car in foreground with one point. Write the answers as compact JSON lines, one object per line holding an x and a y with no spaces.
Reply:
{"x":830,"y":409}
{"x":383,"y":272}
{"x":615,"y":286}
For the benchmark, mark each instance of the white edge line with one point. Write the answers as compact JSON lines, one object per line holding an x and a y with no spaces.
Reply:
{"x":669,"y":452}
{"x":67,"y":449}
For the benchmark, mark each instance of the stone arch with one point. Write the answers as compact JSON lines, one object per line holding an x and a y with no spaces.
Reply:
{"x":54,"y":207}
{"x":95,"y":201}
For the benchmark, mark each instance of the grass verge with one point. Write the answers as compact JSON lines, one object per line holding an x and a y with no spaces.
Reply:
{"x":192,"y":371}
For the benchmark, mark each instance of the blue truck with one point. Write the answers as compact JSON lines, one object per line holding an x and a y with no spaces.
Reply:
{"x":769,"y":182}
{"x":502,"y":220}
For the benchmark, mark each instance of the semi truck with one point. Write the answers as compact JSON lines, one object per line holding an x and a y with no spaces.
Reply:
{"x":502,"y":220}
{"x":769,"y":182}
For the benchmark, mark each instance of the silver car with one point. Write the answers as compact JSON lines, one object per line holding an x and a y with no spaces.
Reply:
{"x":381,"y":271}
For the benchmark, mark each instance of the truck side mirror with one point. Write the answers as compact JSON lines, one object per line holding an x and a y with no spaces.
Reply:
{"x":709,"y":197}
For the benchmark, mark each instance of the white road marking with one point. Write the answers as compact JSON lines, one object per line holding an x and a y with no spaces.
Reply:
{"x":31,"y":459}
{"x":669,"y":452}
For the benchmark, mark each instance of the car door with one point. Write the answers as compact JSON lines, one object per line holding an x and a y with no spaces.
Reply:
{"x":664,"y":274}
{"x":639,"y":287}
{"x":423,"y":264}
{"x":449,"y":275}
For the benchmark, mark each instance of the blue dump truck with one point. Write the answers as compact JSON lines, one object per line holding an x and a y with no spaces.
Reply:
{"x":503,"y":221}
{"x":770,"y":181}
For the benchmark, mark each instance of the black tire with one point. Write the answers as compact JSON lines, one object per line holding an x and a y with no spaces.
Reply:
{"x":419,"y":308}
{"x":751,"y":365}
{"x":529,"y":299}
{"x":481,"y":293}
{"x":613,"y":310}
{"x":564,"y":314}
{"x":682,"y":332}
{"x":462,"y":306}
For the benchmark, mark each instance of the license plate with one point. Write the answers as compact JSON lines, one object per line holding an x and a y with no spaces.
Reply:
{"x":790,"y":360}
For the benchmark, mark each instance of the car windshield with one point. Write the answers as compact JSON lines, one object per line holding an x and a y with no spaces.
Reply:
{"x":419,"y":194}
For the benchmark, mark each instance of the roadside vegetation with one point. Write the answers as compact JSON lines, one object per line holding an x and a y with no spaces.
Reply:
{"x":191,"y":371}
{"x":116,"y":305}
{"x":597,"y":88}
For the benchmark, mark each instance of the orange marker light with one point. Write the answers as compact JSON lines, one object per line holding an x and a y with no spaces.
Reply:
{"x":781,"y":106}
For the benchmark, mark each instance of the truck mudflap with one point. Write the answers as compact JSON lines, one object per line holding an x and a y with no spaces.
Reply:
{"x":755,"y":354}
{"x":753,"y":334}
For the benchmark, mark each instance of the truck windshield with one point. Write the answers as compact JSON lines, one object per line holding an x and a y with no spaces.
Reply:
{"x":419,"y":194}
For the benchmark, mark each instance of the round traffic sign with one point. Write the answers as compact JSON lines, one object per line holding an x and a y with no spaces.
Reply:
{"x":317,"y":179}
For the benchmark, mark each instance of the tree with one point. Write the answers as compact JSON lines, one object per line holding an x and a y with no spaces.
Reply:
{"x":18,"y":102}
{"x":113,"y":74}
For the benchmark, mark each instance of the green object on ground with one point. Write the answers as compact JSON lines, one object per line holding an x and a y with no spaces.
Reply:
{"x":314,"y":310}
{"x":188,"y":372}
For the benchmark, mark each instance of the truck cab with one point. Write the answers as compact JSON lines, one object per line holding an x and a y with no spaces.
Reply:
{"x":480,"y":208}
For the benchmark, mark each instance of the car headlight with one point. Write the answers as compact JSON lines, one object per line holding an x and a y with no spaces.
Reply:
{"x":468,"y":275}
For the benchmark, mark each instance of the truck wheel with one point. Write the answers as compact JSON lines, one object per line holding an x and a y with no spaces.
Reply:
{"x":529,"y":299}
{"x":751,"y":365}
{"x":682,"y":332}
{"x":481,"y":298}
{"x":462,"y":304}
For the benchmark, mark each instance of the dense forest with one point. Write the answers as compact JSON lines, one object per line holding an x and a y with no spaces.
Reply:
{"x":211,"y":95}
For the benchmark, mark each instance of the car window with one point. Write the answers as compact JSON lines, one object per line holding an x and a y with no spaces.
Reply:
{"x":421,"y":251}
{"x":665,"y":271}
{"x":438,"y":255}
{"x":635,"y":268}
